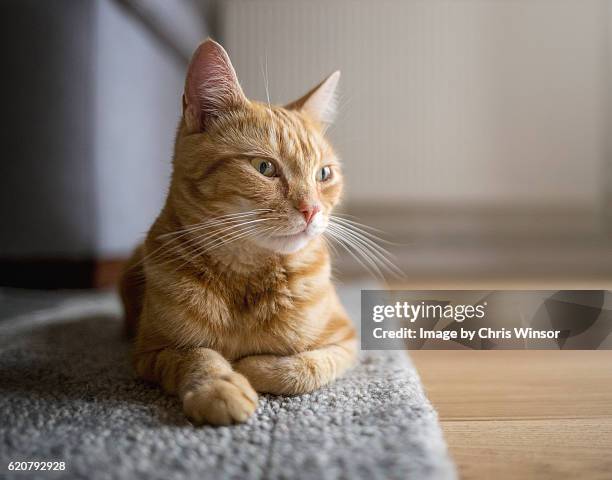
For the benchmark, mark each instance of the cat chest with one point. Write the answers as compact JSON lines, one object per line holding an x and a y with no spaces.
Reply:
{"x":269,"y":323}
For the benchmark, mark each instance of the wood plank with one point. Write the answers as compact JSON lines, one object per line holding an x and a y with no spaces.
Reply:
{"x":517,"y":384}
{"x":523,"y":414}
{"x":532,"y":449}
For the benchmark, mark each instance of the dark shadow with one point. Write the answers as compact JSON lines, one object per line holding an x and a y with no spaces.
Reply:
{"x":47,"y":199}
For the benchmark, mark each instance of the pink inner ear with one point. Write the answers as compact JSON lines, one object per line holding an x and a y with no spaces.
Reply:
{"x":211,"y":86}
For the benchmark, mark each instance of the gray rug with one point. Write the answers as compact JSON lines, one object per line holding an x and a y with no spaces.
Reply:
{"x":67,"y":393}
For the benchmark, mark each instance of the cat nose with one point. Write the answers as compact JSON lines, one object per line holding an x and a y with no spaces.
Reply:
{"x":309,"y":211}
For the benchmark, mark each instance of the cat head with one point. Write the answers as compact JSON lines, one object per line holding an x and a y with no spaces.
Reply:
{"x":254,"y":173}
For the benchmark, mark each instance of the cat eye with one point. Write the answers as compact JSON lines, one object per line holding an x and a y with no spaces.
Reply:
{"x":265,"y":167}
{"x":324,"y":174}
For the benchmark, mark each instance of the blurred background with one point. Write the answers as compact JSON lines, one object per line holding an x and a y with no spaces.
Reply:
{"x":476,"y":133}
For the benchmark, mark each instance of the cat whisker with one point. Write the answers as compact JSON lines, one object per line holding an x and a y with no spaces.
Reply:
{"x":341,"y":218}
{"x":363,"y":252}
{"x":231,"y":237}
{"x":266,"y":81}
{"x":192,"y":250}
{"x":252,"y":232}
{"x":381,"y":254}
{"x":330,"y":245}
{"x":226,"y":224}
{"x":365,"y":245}
{"x":274,"y":231}
{"x":349,"y":249}
{"x":209,"y":236}
{"x":233,"y":231}
{"x":363,"y":228}
{"x":223,"y":231}
{"x":360,"y":228}
{"x":221,"y":220}
{"x":191,"y":228}
{"x":267,"y":87}
{"x":215,"y":220}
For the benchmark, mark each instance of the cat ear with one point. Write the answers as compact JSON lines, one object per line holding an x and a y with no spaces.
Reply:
{"x":211,"y":87}
{"x":321,"y":102}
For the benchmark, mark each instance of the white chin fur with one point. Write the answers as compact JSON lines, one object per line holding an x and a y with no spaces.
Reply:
{"x":286,"y":244}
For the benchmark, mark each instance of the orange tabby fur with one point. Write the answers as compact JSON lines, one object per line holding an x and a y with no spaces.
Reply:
{"x":218,"y":326}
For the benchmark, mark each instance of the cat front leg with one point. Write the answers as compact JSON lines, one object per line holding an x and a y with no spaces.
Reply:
{"x":300,"y":373}
{"x":211,"y":391}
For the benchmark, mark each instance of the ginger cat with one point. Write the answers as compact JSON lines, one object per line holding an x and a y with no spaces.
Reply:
{"x":230,"y":294}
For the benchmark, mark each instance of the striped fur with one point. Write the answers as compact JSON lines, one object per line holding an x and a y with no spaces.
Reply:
{"x":217,"y":322}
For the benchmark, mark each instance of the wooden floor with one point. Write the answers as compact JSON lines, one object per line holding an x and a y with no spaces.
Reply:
{"x":522,"y":414}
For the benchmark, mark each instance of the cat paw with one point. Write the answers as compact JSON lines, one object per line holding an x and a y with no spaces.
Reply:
{"x":225,"y":400}
{"x":290,"y":375}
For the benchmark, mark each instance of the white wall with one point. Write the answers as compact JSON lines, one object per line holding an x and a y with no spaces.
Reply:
{"x":138,"y":97}
{"x":93,"y":97}
{"x":444,"y":101}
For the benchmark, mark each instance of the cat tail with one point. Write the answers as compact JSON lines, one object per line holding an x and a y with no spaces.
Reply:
{"x":131,"y":290}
